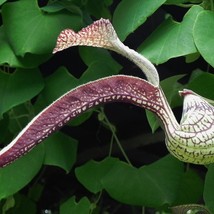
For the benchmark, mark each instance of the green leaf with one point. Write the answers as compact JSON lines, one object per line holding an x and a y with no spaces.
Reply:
{"x":18,"y":174}
{"x":129,"y":15}
{"x":71,"y":206}
{"x":90,"y":55}
{"x":153,"y":121}
{"x":60,"y":151}
{"x":98,"y":8}
{"x":18,"y":87}
{"x":171,"y":87}
{"x":192,"y":57}
{"x":8,"y":56}
{"x":2,"y":1}
{"x":203,"y":32}
{"x":30,"y":30}
{"x":191,"y":188}
{"x":100,"y":64}
{"x":91,"y":173}
{"x":9,"y":203}
{"x":57,"y":84}
{"x":171,"y":39}
{"x":209,"y":188}
{"x":153,"y":185}
{"x":203,"y":84}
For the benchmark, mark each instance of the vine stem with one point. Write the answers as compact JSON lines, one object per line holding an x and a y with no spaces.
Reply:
{"x":114,"y":135}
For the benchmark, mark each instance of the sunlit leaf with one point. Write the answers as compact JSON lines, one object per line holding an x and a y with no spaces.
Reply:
{"x":129,"y":15}
{"x":171,"y":39}
{"x":203,"y":35}
{"x":2,"y":1}
{"x":30,"y":30}
{"x":9,"y":58}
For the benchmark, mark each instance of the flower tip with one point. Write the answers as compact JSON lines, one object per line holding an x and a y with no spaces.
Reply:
{"x":185,"y":92}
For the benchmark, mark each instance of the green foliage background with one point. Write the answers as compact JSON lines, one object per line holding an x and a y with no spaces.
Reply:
{"x":27,"y":37}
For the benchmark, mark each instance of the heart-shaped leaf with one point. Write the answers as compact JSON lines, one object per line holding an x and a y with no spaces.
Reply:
{"x":203,"y":32}
{"x":129,"y":15}
{"x":18,"y":87}
{"x":31,"y":30}
{"x":174,"y":39}
{"x":60,"y":151}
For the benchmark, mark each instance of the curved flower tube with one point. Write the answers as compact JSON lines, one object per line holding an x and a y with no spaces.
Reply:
{"x":190,"y":141}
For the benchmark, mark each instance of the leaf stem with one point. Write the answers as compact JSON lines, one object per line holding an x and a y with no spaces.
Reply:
{"x":106,"y":121}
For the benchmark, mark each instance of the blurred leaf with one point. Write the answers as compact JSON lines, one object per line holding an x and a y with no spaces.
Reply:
{"x":71,"y":206}
{"x":192,"y":57}
{"x":5,"y":135}
{"x":53,"y":7}
{"x":9,"y":203}
{"x":171,"y":39}
{"x":191,"y":188}
{"x":99,"y":8}
{"x":2,"y":1}
{"x":203,"y":84}
{"x":176,"y":1}
{"x":203,"y":32}
{"x":35,"y":192}
{"x":18,"y":174}
{"x":91,"y":173}
{"x":153,"y":185}
{"x":129,"y":15}
{"x":18,"y":87}
{"x":209,"y":188}
{"x":60,"y":151}
{"x":190,"y":209}
{"x":25,"y":26}
{"x":24,"y":205}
